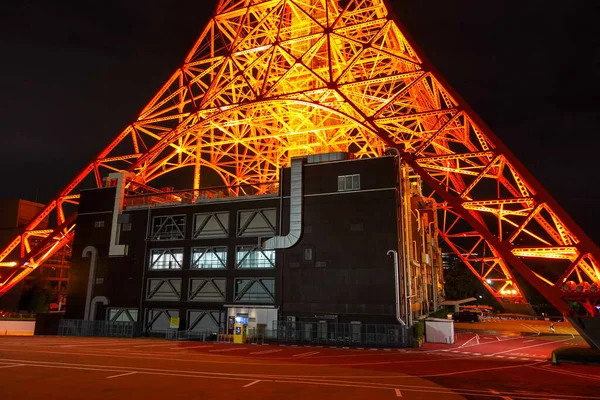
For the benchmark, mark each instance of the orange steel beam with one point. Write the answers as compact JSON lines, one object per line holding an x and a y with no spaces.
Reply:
{"x":270,"y":80}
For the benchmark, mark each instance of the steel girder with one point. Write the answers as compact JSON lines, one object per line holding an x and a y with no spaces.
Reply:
{"x":270,"y":80}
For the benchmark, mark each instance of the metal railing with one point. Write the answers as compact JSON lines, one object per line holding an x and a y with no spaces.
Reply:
{"x":73,"y":327}
{"x":192,"y":196}
{"x":330,"y":333}
{"x":201,"y":335}
{"x":17,"y":316}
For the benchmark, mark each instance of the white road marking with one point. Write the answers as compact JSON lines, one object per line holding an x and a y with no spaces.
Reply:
{"x":527,"y":341}
{"x":190,"y":347}
{"x":266,"y":352}
{"x":310,"y":353}
{"x":120,"y":375}
{"x":498,"y":393}
{"x":309,"y":380}
{"x":154,"y":345}
{"x":251,"y":383}
{"x":94,"y":344}
{"x":11,"y":366}
{"x":550,"y":367}
{"x":531,"y":329}
{"x":465,"y":343}
{"x":535,"y":345}
{"x":223,"y":350}
{"x":398,"y":393}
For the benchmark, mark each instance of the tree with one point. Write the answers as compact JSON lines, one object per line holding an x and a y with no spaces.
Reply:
{"x":35,"y":299}
{"x":462,"y":284}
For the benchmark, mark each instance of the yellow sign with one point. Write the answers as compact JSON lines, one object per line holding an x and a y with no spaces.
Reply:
{"x":174,"y":323}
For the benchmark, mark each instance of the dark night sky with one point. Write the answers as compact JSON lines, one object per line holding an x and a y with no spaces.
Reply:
{"x":75,"y":73}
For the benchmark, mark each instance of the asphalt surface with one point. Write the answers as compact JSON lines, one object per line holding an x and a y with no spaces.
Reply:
{"x":475,"y":367}
{"x":518,"y":326}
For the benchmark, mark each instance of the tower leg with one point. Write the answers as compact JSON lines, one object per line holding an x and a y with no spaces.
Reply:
{"x":588,"y":328}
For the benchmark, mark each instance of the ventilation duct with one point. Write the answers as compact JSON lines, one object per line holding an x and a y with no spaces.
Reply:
{"x":290,"y":240}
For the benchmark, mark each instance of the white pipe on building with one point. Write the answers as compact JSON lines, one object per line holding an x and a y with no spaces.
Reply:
{"x":397,"y":285}
{"x":290,"y":240}
{"x":92,"y":252}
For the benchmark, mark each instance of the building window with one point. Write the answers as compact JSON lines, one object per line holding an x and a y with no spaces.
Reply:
{"x":348,"y":182}
{"x":308,"y":254}
{"x":164,"y":289}
{"x":209,"y":257}
{"x":169,"y":227}
{"x":254,"y":257}
{"x":99,"y":224}
{"x":207,"y":289}
{"x":211,"y":225}
{"x":166,"y":258}
{"x":257,"y":222}
{"x":122,"y":314}
{"x":255,"y":290}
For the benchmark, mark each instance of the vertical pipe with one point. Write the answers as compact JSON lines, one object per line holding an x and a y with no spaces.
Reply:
{"x":92,"y":252}
{"x":397,"y":285}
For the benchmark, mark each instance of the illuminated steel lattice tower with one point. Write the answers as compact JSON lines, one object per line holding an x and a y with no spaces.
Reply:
{"x":270,"y":80}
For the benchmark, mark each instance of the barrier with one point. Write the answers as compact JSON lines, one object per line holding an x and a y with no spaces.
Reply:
{"x":17,"y":328}
{"x":74,"y":327}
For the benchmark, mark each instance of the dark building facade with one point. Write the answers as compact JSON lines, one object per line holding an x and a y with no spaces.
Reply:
{"x":212,"y":257}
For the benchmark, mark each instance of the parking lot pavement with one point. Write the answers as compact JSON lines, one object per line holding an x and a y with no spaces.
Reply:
{"x":506,"y":326}
{"x":96,"y":368}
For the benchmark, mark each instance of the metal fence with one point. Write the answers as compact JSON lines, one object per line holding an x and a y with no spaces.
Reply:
{"x":331,"y":333}
{"x":74,"y":327}
{"x":13,"y":316}
{"x":202,"y":335}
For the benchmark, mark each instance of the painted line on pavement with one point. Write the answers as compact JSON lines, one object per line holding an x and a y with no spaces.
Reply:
{"x":92,"y":345}
{"x":308,"y":354}
{"x":191,"y":347}
{"x":398,"y":393}
{"x":535,"y":345}
{"x":251,"y":383}
{"x":12,"y":366}
{"x":155,"y":345}
{"x":549,"y":367}
{"x":266,"y":352}
{"x":224,"y":350}
{"x":120,"y":375}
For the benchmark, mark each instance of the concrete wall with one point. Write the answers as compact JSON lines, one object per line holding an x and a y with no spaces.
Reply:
{"x":16,"y":328}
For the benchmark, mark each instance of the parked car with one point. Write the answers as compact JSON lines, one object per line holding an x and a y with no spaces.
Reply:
{"x":466,"y":316}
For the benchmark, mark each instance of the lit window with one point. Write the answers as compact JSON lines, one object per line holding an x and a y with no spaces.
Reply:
{"x":348,"y":182}
{"x":166,"y":258}
{"x":170,"y":227}
{"x":209,"y":257}
{"x":254,"y":257}
{"x":123,"y":314}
